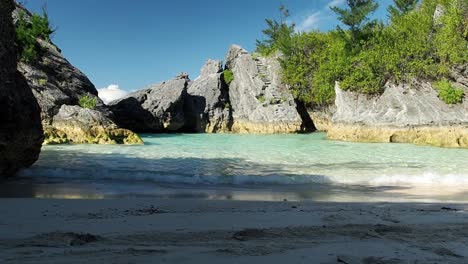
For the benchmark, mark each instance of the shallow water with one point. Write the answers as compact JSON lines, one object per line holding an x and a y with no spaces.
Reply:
{"x":280,"y":162}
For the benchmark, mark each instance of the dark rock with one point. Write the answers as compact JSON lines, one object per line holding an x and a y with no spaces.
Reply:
{"x":159,"y":108}
{"x":55,"y":82}
{"x":207,"y":105}
{"x":20,"y":124}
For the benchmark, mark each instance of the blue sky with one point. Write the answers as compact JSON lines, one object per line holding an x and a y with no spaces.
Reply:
{"x":132,"y":44}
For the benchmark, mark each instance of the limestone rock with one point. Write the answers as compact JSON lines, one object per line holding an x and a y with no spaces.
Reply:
{"x":207,"y":104}
{"x":159,"y":108}
{"x":57,"y":84}
{"x":74,"y":124}
{"x":414,"y":104}
{"x":260,"y":102}
{"x":20,"y":125}
{"x":405,"y":113}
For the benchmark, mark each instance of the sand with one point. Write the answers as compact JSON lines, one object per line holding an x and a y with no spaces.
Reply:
{"x":209,"y":231}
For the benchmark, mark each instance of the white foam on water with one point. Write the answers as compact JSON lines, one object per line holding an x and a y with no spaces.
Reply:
{"x":426,"y":179}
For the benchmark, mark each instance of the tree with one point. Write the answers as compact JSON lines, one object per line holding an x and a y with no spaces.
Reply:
{"x":356,"y":16}
{"x":278,"y":34}
{"x":402,"y":7}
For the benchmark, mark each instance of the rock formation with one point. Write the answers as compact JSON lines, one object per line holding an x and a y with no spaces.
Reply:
{"x":207,"y":104}
{"x":55,"y":83}
{"x":260,"y":102}
{"x":20,"y":124}
{"x":405,"y":113}
{"x":159,"y":108}
{"x":254,"y":102}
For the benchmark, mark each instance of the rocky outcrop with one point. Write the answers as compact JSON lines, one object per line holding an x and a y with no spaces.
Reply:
{"x":20,"y":125}
{"x":254,"y":102}
{"x":260,"y":102}
{"x":405,"y":113}
{"x":55,"y":82}
{"x":87,"y":126}
{"x":207,"y":104}
{"x":159,"y":108}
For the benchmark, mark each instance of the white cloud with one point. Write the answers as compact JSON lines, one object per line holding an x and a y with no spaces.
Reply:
{"x":111,"y":93}
{"x":316,"y":18}
{"x":311,"y":22}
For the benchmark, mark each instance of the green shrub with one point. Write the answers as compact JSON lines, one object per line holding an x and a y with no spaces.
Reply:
{"x":261,"y":99}
{"x":228,"y":76}
{"x":448,"y":93}
{"x":368,"y":54}
{"x":42,"y":82}
{"x":27,"y":33}
{"x":88,"y":102}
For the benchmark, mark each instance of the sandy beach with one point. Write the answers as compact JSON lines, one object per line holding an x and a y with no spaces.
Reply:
{"x":209,"y":231}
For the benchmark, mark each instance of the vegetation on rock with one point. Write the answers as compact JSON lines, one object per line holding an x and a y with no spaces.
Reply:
{"x":228,"y":76}
{"x":363,"y":57}
{"x":448,"y":93}
{"x":88,"y":102}
{"x":28,"y":30}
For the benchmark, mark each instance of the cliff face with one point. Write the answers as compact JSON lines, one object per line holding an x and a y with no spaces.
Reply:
{"x":259,"y":100}
{"x":254,"y":102}
{"x":55,"y":82}
{"x":405,"y":113}
{"x":20,"y":124}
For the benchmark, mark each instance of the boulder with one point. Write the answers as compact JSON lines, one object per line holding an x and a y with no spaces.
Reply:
{"x":55,"y":82}
{"x":159,"y":108}
{"x":79,"y":125}
{"x":20,"y":124}
{"x":260,"y":102}
{"x":207,"y":104}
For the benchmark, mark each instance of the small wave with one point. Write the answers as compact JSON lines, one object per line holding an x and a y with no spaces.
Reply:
{"x":424,"y":179}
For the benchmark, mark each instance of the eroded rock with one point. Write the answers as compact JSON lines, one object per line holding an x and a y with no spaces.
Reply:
{"x":260,"y":102}
{"x":20,"y":124}
{"x":159,"y":108}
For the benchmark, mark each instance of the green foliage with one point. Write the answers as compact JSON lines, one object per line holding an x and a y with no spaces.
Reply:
{"x":227,"y":106}
{"x":448,"y":93}
{"x":28,"y":31}
{"x":401,"y":7}
{"x":42,"y":82}
{"x":410,"y":46}
{"x":228,"y":76}
{"x":278,"y":35}
{"x":88,"y":102}
{"x":356,"y":17}
{"x":450,"y":38}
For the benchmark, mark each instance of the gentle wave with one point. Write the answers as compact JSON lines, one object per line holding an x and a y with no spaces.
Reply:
{"x":425,"y":179}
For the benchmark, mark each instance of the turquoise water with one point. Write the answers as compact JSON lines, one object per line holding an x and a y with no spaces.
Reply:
{"x":247,"y":160}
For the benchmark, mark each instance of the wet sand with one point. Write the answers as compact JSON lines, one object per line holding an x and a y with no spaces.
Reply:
{"x":155,"y":230}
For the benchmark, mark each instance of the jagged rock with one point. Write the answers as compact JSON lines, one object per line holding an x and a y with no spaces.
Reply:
{"x":260,"y":102}
{"x":159,"y":108}
{"x":413,"y":104}
{"x":74,"y":124}
{"x":20,"y":125}
{"x":207,"y":104}
{"x":405,"y":113}
{"x":55,"y":82}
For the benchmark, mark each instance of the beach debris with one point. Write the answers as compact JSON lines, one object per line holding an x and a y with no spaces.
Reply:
{"x":449,"y":209}
{"x":249,"y":234}
{"x":62,"y":239}
{"x":145,"y":211}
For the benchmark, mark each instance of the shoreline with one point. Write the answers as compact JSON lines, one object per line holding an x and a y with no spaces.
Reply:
{"x":211,"y":231}
{"x":79,"y":189}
